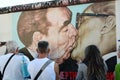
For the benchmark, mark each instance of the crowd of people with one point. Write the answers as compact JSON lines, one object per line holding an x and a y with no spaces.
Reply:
{"x":12,"y":71}
{"x":90,"y":68}
{"x":51,"y":40}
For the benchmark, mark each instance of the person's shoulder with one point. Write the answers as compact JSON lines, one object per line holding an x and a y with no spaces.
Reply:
{"x":82,"y":64}
{"x":33,"y":62}
{"x":118,"y":65}
{"x":23,"y":49}
{"x":110,"y":55}
{"x":21,"y":55}
{"x":5,"y":56}
{"x":82,"y":67}
{"x":1,"y":57}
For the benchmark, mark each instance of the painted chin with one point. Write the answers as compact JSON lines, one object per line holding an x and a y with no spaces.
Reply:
{"x":57,"y":54}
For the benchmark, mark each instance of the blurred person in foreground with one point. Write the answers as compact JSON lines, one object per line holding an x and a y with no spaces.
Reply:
{"x":13,"y":69}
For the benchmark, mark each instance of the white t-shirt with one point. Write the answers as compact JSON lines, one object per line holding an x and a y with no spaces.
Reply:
{"x":48,"y":73}
{"x":13,"y":69}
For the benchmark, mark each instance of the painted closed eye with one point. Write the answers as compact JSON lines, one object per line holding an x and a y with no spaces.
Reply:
{"x":67,"y":22}
{"x":65,"y":29}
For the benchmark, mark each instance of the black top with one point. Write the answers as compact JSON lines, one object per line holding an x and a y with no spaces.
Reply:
{"x":68,"y":69}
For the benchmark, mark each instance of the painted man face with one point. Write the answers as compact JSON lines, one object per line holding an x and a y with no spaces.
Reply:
{"x":61,"y":33}
{"x":93,"y":31}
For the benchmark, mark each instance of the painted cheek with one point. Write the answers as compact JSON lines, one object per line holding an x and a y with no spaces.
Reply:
{"x":72,"y":34}
{"x":72,"y":30}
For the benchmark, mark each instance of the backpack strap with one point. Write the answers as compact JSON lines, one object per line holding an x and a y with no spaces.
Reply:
{"x":7,"y":63}
{"x":26,"y":53}
{"x":43,"y":67}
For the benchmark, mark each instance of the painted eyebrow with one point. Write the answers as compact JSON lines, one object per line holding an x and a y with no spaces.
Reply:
{"x":65,"y":24}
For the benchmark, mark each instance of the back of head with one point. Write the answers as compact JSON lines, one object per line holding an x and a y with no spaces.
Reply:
{"x":92,"y":51}
{"x":11,"y":46}
{"x":43,"y":46}
{"x":95,"y":63}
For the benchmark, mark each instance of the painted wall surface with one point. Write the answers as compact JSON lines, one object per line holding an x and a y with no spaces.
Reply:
{"x":118,"y":25}
{"x":96,"y":27}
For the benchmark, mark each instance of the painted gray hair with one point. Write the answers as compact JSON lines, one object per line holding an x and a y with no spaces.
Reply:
{"x":11,"y":46}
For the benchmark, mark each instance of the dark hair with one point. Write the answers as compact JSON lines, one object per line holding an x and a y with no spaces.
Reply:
{"x":95,"y":64}
{"x":43,"y":46}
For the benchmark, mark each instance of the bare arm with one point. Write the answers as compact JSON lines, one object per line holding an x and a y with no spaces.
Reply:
{"x":56,"y":67}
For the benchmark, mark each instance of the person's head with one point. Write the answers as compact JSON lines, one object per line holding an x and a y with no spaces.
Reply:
{"x":52,"y":25}
{"x":94,"y":61}
{"x":96,"y":26}
{"x":92,"y":53}
{"x":12,"y":47}
{"x":43,"y":47}
{"x":2,"y":48}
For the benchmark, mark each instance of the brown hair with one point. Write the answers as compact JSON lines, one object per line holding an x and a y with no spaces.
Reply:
{"x":31,"y":21}
{"x":103,"y":7}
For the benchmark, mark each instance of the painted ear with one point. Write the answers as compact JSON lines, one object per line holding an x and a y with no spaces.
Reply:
{"x":48,"y":50}
{"x":37,"y":36}
{"x":109,"y":24}
{"x":17,"y":50}
{"x":37,"y":50}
